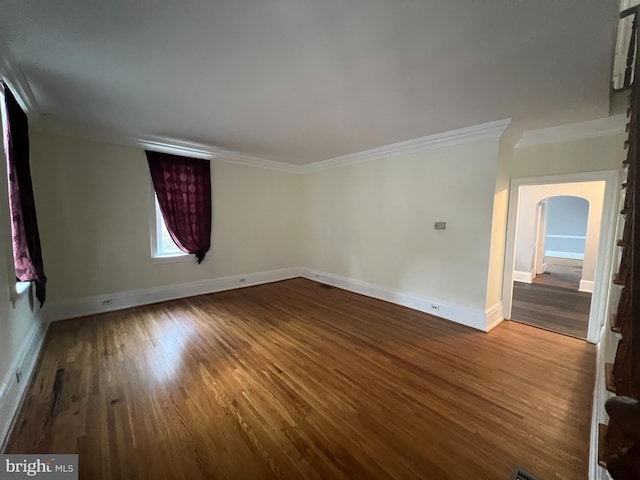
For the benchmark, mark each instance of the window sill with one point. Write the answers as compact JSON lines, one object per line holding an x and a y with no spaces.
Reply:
{"x":177,"y":258}
{"x":173,"y":259}
{"x":22,"y":288}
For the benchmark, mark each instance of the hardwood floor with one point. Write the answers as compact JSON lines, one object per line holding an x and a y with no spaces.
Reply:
{"x":564,"y":276}
{"x":291,"y":380}
{"x":553,"y":308}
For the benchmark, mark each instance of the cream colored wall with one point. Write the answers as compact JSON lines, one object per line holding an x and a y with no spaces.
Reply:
{"x":374,"y":222}
{"x":93,"y":205}
{"x":531,"y":195}
{"x":586,"y":155}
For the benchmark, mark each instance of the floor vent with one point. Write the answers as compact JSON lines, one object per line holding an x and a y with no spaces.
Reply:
{"x":519,"y":474}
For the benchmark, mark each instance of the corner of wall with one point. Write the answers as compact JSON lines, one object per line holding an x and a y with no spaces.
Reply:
{"x":495,"y":273}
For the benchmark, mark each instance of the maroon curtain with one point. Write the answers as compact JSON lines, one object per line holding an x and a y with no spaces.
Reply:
{"x":27,"y":253}
{"x":183,"y":188}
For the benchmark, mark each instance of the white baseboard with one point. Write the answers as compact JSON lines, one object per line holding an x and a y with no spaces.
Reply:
{"x":524,"y":277}
{"x":483,"y":320}
{"x":12,"y":392}
{"x":544,"y":268}
{"x":494,"y":316}
{"x":586,"y":286}
{"x":80,"y":307}
{"x":456,"y":313}
{"x":572,"y":255}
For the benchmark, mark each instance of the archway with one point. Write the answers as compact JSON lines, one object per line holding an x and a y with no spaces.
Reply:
{"x":555,"y":256}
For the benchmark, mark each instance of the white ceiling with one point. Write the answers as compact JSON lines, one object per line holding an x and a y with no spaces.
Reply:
{"x":306,"y":80}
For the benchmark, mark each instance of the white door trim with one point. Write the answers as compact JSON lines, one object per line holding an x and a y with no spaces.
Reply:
{"x":605,"y":244}
{"x":541,"y":233}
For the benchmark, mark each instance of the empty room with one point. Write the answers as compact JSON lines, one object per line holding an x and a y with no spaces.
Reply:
{"x":284,"y":239}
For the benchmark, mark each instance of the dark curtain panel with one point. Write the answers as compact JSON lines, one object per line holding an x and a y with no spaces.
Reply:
{"x":26,"y":238}
{"x":183,"y":188}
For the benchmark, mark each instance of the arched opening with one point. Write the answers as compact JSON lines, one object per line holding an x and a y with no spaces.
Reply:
{"x":556,"y":249}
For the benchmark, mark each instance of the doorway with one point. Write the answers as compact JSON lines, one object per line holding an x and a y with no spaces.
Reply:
{"x":554,"y":258}
{"x":553,"y":291}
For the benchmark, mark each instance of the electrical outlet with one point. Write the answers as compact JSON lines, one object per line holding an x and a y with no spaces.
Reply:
{"x":18,"y":375}
{"x":106,"y":301}
{"x":435,"y":308}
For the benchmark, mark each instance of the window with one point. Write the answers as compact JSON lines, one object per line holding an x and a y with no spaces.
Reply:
{"x":182,"y":187}
{"x":162,"y":245}
{"x":25,"y":238}
{"x":19,"y":287}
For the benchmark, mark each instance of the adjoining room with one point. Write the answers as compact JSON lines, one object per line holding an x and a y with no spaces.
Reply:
{"x":557,"y":246}
{"x":275,"y":239}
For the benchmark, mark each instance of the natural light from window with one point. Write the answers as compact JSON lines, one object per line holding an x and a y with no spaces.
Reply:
{"x":165,"y":246}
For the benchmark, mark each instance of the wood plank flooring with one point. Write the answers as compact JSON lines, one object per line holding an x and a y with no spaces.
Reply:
{"x":291,"y":380}
{"x":564,"y":276}
{"x":557,"y":309}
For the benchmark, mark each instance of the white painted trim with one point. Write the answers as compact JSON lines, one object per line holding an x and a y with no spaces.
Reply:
{"x":494,"y":316}
{"x":175,"y":147}
{"x":574,"y":131}
{"x":475,"y":318}
{"x":14,"y":77}
{"x":258,"y":162}
{"x":12,"y":392}
{"x":582,"y":237}
{"x":459,"y":136}
{"x":181,"y":258}
{"x":572,"y":255}
{"x":586,"y":286}
{"x":605,"y":246}
{"x":66,"y":309}
{"x":55,"y":126}
{"x":524,"y":277}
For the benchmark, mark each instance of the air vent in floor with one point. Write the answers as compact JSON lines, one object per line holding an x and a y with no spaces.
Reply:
{"x":519,"y":474}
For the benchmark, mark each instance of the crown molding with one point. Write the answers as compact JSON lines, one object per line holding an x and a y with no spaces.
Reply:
{"x":243,"y":159}
{"x":459,"y":136}
{"x":52,"y":125}
{"x":172,"y":146}
{"x":14,"y":77}
{"x":574,"y":131}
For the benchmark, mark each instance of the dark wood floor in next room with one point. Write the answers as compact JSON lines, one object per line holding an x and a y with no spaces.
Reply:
{"x":562,"y":310}
{"x":291,"y":380}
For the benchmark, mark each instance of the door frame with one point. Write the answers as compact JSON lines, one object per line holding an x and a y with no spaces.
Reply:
{"x":604,"y":263}
{"x":541,"y":232}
